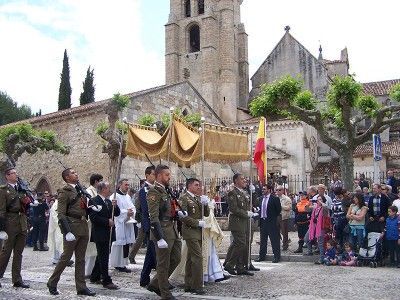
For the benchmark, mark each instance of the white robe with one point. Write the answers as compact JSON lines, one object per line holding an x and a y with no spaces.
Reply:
{"x":212,"y":269}
{"x":124,"y":231}
{"x":91,"y":251}
{"x":55,"y":237}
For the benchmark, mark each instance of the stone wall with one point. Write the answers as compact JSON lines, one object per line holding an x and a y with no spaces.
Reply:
{"x":76,"y":128}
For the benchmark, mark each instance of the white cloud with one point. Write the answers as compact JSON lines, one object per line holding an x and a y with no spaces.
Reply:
{"x":103,"y":34}
{"x":108,"y":35}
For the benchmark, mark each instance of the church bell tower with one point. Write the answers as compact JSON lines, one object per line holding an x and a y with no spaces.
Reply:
{"x":206,"y":43}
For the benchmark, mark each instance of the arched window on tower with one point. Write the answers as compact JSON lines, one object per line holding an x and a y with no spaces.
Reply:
{"x":187,"y":8}
{"x":201,"y":7}
{"x":194,"y":38}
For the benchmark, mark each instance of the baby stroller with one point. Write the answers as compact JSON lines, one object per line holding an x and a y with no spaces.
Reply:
{"x":372,"y":254}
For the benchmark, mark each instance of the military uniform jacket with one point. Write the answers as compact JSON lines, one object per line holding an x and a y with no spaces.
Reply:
{"x":12,"y":218}
{"x":160,"y":211}
{"x":190,"y":224}
{"x":73,"y":212}
{"x":239,"y":202}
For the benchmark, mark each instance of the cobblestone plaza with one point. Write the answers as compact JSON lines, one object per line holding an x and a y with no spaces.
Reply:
{"x":285,"y":280}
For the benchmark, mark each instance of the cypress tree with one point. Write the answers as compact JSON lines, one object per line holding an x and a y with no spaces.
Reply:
{"x":87,"y":96}
{"x":64,"y":94}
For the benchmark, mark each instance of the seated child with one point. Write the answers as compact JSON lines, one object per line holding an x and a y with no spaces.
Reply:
{"x":330,"y":254}
{"x":348,"y":258}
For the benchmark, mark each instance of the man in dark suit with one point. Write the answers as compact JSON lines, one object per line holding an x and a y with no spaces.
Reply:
{"x":378,"y":205}
{"x":150,"y":258}
{"x":101,"y":216}
{"x":270,"y":209}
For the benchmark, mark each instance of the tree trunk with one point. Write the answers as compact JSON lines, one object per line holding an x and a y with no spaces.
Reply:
{"x":346,"y":162}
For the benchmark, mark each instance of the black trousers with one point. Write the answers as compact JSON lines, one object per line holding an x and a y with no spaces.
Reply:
{"x":100,"y":268}
{"x":341,"y":236}
{"x":150,"y":263}
{"x":302,"y":230}
{"x":394,"y":251}
{"x":38,"y":231}
{"x":269,"y":228}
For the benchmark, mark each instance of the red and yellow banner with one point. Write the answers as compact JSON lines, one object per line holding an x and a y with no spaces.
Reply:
{"x":260,"y":155}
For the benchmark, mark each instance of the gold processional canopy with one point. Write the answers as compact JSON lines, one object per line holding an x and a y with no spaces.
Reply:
{"x":184,"y":143}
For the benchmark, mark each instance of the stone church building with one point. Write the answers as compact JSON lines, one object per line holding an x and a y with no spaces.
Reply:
{"x":207,"y":71}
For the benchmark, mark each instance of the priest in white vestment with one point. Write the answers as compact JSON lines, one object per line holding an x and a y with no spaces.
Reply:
{"x":54,"y":235}
{"x":124,"y":228}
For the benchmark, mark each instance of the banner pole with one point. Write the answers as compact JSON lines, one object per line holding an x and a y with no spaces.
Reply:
{"x":265,"y":150}
{"x":171,"y":120}
{"x":251,"y":192}
{"x":203,"y":133}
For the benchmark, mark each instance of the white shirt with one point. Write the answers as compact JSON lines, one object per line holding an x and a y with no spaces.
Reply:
{"x":193,"y":195}
{"x":124,"y":231}
{"x":264,"y":205}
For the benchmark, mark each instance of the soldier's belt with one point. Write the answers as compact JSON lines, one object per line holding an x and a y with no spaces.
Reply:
{"x":166,"y":219}
{"x":76,"y":217}
{"x":15,"y":213}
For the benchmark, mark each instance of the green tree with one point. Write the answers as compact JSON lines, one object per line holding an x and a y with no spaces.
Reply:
{"x":162,"y":122}
{"x":11,"y":112}
{"x":64,"y":93}
{"x":110,"y":132}
{"x":87,"y":96}
{"x":17,"y":139}
{"x":337,"y":120}
{"x":147,"y":120}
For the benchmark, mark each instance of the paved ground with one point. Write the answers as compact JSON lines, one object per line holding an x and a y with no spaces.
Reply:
{"x":286,"y":280}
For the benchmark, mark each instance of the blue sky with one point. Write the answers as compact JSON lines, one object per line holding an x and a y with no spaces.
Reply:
{"x":123,"y":40}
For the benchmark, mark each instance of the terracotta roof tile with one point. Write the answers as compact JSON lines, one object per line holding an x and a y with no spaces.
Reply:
{"x":379,"y":88}
{"x":391,"y":149}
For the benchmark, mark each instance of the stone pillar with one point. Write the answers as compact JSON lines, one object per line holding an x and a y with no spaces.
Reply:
{"x":228,"y":83}
{"x":171,"y":52}
{"x":243,"y":66}
{"x":209,"y":31}
{"x":176,"y":9}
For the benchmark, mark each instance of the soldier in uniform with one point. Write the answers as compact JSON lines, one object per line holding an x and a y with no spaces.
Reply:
{"x":191,"y":217}
{"x":239,"y":214}
{"x":73,"y":223}
{"x":13,"y":227}
{"x":163,"y":232}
